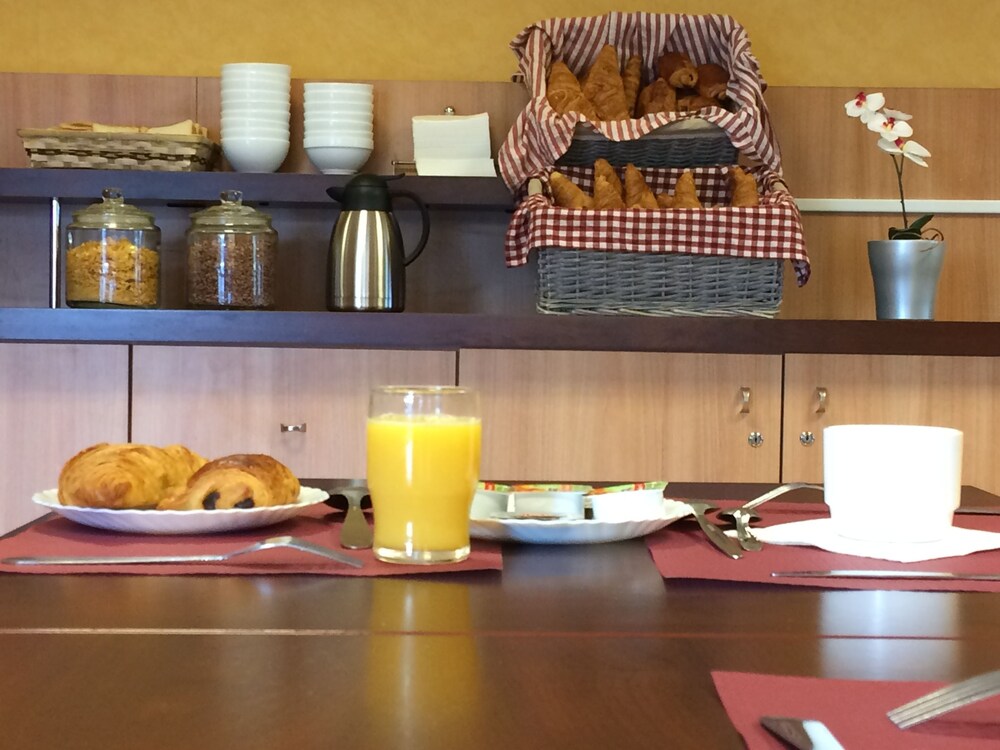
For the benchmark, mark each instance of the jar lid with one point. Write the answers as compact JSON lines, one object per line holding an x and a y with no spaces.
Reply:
{"x":113,"y":213}
{"x":231,"y":215}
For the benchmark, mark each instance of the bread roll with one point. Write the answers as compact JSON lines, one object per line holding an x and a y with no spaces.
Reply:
{"x":125,"y":475}
{"x":247,"y":480}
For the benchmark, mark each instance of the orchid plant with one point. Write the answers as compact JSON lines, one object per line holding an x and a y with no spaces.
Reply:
{"x":894,"y":132}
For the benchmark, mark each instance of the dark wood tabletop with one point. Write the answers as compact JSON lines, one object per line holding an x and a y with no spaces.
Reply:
{"x":567,"y":647}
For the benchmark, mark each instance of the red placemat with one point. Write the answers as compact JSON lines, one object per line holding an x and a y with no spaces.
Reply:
{"x":853,"y":710}
{"x":682,"y":551}
{"x":54,"y":535}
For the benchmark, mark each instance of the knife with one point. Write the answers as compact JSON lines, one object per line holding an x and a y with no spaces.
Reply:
{"x":804,"y":734}
{"x":912,"y":575}
{"x":979,"y":511}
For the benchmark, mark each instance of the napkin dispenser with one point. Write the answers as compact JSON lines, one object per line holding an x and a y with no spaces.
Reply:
{"x":453,"y":145}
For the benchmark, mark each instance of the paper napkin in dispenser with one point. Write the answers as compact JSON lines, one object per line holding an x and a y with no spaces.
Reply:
{"x":453,"y":145}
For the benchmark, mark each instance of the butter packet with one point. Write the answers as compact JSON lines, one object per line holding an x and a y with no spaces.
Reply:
{"x":552,"y":487}
{"x":493,"y":487}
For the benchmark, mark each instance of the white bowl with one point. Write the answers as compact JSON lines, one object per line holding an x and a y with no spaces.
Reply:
{"x":264,"y":90}
{"x":255,"y":121}
{"x":357,"y":100}
{"x":256,"y":95}
{"x":257,"y":68}
{"x":248,"y":109}
{"x":336,"y":141}
{"x":338,"y":159}
{"x":487,"y":502}
{"x":567,"y":504}
{"x":628,"y":505}
{"x":348,"y":131}
{"x":235,"y":132}
{"x":349,"y":118}
{"x":319,"y":87}
{"x":255,"y":154}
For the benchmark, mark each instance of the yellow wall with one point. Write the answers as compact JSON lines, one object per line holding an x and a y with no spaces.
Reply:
{"x":854,"y":43}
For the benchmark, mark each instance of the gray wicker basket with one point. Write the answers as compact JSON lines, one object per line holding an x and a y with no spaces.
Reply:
{"x":692,"y":142}
{"x":588,"y":281}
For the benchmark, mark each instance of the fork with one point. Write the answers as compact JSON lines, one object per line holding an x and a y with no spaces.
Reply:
{"x":269,"y":543}
{"x":743,"y":515}
{"x":946,"y":699}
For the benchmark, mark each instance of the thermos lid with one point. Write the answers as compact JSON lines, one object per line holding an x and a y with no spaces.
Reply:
{"x":365,"y":192}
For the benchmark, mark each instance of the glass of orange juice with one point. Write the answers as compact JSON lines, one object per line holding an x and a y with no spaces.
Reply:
{"x":423,"y":465}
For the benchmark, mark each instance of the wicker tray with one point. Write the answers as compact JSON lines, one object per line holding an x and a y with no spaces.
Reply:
{"x":149,"y":151}
{"x":685,"y":143}
{"x":587,"y":281}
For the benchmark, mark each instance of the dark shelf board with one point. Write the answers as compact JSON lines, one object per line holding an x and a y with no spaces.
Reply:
{"x":475,"y":331}
{"x":279,"y":189}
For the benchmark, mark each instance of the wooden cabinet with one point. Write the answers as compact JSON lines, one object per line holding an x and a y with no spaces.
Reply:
{"x":306,"y":407}
{"x":959,"y":392}
{"x":626,"y":416}
{"x":54,"y":401}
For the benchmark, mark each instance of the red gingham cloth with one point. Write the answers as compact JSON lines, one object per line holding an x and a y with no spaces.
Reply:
{"x":771,"y":230}
{"x":539,"y":136}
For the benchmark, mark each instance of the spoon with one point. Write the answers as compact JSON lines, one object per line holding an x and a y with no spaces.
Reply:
{"x":269,"y":543}
{"x":355,"y":533}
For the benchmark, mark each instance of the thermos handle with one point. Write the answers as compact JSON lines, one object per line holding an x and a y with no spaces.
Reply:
{"x":424,"y":217}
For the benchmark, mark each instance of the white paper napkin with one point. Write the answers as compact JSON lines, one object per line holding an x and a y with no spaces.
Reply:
{"x":819,"y":532}
{"x":453,"y":145}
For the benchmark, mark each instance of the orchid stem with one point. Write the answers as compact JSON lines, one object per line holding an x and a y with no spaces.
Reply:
{"x":898,"y":163}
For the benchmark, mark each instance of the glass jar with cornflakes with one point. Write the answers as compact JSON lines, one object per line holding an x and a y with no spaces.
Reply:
{"x":231,"y":257}
{"x":112,"y":255}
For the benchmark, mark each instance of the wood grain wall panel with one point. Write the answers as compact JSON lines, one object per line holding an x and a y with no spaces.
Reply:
{"x":55,"y":400}
{"x":43,"y":100}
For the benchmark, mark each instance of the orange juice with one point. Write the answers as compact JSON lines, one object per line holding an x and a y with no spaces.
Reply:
{"x":422,"y":474}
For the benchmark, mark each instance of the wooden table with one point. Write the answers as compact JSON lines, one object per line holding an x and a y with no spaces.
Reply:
{"x":568,"y":647}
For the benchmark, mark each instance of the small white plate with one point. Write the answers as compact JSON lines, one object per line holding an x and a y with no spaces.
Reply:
{"x":179,"y":521}
{"x":532,"y":531}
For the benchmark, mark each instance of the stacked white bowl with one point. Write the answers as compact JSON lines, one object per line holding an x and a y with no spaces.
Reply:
{"x":339,"y":125}
{"x":256,"y":110}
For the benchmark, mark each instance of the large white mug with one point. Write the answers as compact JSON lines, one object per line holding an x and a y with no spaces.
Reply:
{"x":892,"y":483}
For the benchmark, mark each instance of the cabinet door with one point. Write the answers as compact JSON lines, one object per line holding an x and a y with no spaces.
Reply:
{"x":610,"y":416}
{"x":55,"y":400}
{"x":222,"y":400}
{"x":959,"y":392}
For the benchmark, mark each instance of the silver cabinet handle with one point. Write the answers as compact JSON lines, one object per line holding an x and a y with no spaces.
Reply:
{"x":821,"y":398}
{"x":293,"y":427}
{"x":745,"y":400}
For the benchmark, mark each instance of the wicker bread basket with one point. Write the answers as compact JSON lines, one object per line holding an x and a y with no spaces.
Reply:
{"x":148,"y":151}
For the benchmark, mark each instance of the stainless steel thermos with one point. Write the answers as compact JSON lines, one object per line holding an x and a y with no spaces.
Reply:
{"x":366,"y":262}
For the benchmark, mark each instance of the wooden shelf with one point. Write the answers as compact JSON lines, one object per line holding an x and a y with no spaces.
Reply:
{"x":457,"y":331}
{"x":279,"y":189}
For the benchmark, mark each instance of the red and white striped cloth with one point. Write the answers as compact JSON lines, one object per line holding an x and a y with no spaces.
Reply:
{"x":539,"y":135}
{"x":771,"y":230}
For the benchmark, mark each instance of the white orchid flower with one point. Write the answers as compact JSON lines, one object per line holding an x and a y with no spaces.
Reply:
{"x":896,"y":114}
{"x":910,"y":149}
{"x":864,"y":106}
{"x":889,"y":127}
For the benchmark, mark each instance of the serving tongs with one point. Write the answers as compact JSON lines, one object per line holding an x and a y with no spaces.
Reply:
{"x":746,"y":513}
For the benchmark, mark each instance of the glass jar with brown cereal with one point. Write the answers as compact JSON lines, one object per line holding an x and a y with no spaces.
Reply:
{"x":231,"y":255}
{"x":112,"y":255}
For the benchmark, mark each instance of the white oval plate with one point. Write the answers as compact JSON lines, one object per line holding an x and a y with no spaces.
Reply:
{"x":179,"y":521}
{"x":531,"y":531}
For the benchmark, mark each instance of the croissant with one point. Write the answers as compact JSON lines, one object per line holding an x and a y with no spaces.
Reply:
{"x":604,"y":87}
{"x":606,"y":196}
{"x":713,"y":81}
{"x":685,"y":195}
{"x":631,"y":81}
{"x":567,"y":194}
{"x":602,"y":167}
{"x":125,"y":475}
{"x":664,"y":200}
{"x":564,"y":93}
{"x":694,"y":102}
{"x":658,"y":96}
{"x":743,"y":188}
{"x":249,"y":480}
{"x":677,"y":69}
{"x":637,"y":192}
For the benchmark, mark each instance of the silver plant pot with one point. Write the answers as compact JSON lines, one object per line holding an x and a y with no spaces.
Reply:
{"x":905,"y":274}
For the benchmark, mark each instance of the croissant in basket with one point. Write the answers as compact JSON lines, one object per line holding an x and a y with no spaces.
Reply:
{"x":564,"y":93}
{"x":125,"y":475}
{"x":248,"y":480}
